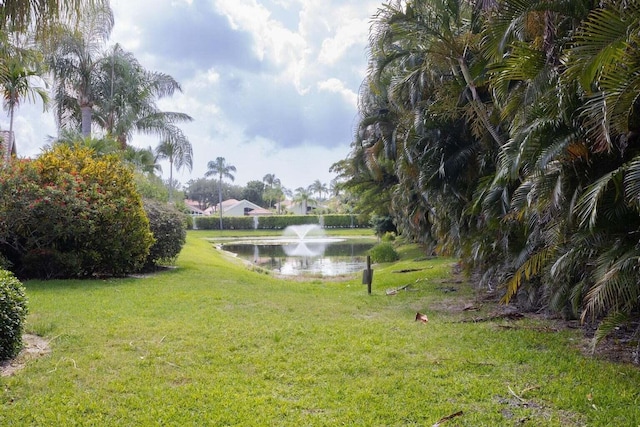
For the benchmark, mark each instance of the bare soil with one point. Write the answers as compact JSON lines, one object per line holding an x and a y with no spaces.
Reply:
{"x":34,"y":347}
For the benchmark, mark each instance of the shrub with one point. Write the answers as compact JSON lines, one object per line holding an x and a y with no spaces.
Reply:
{"x":382,"y":225}
{"x":168,"y":226}
{"x":388,"y":237}
{"x":383,"y":252}
{"x":72,"y":213}
{"x":13,"y":311}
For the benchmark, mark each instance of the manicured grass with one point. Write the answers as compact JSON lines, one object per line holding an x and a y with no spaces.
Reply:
{"x":213,"y":343}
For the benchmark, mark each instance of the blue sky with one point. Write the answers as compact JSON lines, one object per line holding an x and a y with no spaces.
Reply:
{"x":272,"y":84}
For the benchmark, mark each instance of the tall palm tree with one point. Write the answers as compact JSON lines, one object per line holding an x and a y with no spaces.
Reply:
{"x":179,"y":152}
{"x":127,"y":95}
{"x":220,"y":168}
{"x":74,"y":61}
{"x":271,"y":180}
{"x":16,"y":80}
{"x":273,"y":183}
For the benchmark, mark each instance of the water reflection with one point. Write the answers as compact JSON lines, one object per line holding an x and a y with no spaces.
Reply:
{"x":323,"y":257}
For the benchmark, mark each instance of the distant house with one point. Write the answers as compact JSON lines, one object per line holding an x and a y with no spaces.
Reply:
{"x":230,"y":207}
{"x":233,"y":207}
{"x":193,"y":208}
{"x":298,"y":208}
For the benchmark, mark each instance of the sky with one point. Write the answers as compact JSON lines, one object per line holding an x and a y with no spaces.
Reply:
{"x":271,"y":84}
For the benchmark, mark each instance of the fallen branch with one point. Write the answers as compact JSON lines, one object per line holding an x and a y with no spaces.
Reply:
{"x":408,"y":270}
{"x":396,"y":290}
{"x":508,"y":316}
{"x":447,"y":418}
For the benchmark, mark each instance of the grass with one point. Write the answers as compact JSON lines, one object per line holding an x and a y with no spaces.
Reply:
{"x":213,"y":343}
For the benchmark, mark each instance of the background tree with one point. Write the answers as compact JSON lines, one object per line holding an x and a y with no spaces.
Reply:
{"x":254,"y":191}
{"x":203,"y":191}
{"x":179,"y":152}
{"x":318,"y":188}
{"x":302,"y":197}
{"x":271,"y":182}
{"x":223,"y":170}
{"x":17,"y":81}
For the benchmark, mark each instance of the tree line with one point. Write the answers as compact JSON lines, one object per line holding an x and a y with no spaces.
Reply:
{"x":505,"y":132}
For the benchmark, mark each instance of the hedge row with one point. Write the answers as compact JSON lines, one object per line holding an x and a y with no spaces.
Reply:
{"x":228,"y":223}
{"x":279,"y":222}
{"x":345,"y":221}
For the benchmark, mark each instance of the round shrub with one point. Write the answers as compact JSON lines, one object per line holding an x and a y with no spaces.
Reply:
{"x":168,"y":226}
{"x":383,"y":252}
{"x":13,"y":311}
{"x":72,"y":213}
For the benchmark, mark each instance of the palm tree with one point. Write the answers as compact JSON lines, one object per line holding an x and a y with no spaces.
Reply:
{"x":144,"y":160}
{"x":271,"y":192}
{"x":74,"y":62}
{"x":271,"y":180}
{"x":319,"y":188}
{"x":302,"y":197}
{"x":126,"y":96}
{"x":220,"y":168}
{"x":16,"y":81}
{"x":179,"y":152}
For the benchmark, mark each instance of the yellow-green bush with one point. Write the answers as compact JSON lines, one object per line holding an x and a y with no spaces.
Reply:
{"x":72,"y":213}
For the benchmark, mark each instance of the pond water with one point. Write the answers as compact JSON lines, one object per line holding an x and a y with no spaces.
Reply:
{"x":293,"y":257}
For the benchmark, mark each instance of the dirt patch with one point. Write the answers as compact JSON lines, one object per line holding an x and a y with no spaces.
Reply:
{"x":34,"y":347}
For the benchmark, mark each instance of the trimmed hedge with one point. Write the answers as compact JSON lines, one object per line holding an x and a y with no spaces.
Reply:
{"x":344,"y":221}
{"x":228,"y":222}
{"x":280,"y":222}
{"x":13,"y":311}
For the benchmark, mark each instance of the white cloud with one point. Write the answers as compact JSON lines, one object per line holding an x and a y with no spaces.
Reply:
{"x":336,"y":86}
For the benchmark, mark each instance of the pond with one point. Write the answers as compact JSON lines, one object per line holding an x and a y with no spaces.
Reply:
{"x":294,"y":257}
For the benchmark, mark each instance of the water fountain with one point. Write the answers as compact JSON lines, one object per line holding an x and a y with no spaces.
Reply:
{"x":302,"y":249}
{"x":302,"y":230}
{"x":303,"y":246}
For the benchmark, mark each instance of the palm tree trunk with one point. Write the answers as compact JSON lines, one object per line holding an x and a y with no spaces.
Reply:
{"x":9,"y":143}
{"x":170,"y":179}
{"x":86,"y":120}
{"x":220,"y":200}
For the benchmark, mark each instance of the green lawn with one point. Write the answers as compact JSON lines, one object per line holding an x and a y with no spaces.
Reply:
{"x":213,"y":343}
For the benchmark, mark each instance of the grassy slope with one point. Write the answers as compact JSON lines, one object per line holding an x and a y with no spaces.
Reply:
{"x":212,"y":343}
